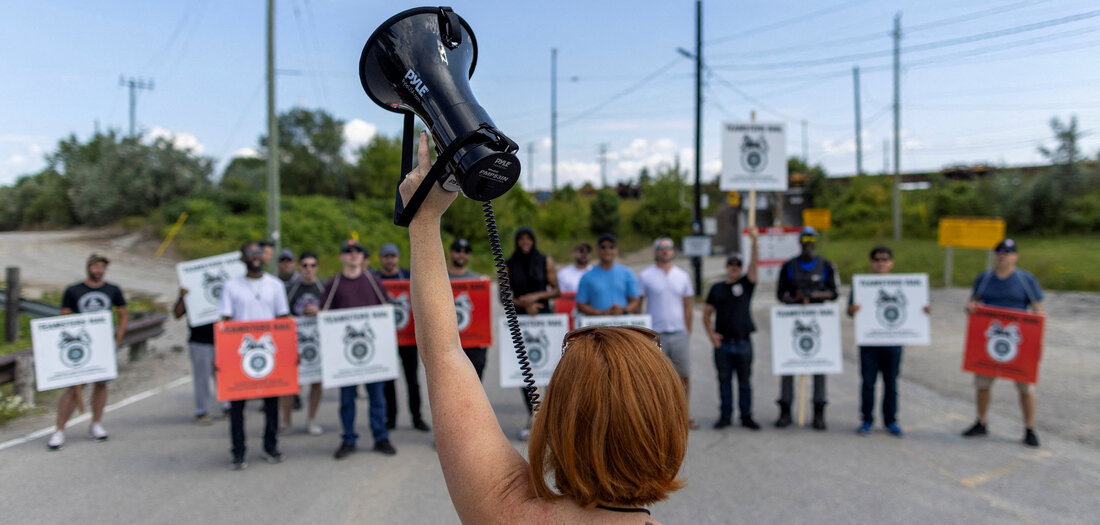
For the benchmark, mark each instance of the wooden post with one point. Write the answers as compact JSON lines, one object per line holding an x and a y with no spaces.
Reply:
{"x":11,"y":307}
{"x":802,"y":400}
{"x":24,"y":378}
{"x":948,"y":263}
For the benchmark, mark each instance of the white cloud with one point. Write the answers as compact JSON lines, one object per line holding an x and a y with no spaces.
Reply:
{"x":20,"y":161}
{"x":246,"y":153}
{"x":357,"y":133}
{"x":181,"y":140}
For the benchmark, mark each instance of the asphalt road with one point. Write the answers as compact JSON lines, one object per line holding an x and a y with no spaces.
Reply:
{"x":159,"y":467}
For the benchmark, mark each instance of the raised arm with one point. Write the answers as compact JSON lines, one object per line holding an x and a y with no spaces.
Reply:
{"x":486,"y":477}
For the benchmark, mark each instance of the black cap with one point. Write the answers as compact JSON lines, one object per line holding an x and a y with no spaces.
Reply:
{"x":734,"y":257}
{"x":606,"y":237}
{"x":97,"y":257}
{"x":351,"y":245}
{"x":460,"y":244}
{"x":1007,"y":245}
{"x":286,"y":255}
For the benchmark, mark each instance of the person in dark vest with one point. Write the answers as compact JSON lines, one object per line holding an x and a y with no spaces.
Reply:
{"x":534,"y":281}
{"x":805,"y":279}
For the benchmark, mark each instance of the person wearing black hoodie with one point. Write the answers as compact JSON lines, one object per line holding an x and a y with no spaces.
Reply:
{"x":534,"y":281}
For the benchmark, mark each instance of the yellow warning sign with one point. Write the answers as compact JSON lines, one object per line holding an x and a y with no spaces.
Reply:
{"x":733,"y":199}
{"x":981,"y":233}
{"x":820,"y":219}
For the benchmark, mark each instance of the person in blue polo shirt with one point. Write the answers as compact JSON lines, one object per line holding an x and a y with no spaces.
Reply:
{"x":609,"y":288}
{"x":1005,"y":286}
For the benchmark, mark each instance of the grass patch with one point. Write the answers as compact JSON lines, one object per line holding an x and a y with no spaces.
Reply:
{"x":23,"y":342}
{"x":1060,"y":263}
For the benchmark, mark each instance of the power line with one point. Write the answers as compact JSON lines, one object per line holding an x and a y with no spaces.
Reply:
{"x":785,"y":22}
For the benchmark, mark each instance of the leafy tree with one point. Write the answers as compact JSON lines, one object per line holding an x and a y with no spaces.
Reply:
{"x":661,"y":213}
{"x":309,"y":150}
{"x":1066,"y":157}
{"x":245,"y":174}
{"x":604,"y":217}
{"x":378,"y":168}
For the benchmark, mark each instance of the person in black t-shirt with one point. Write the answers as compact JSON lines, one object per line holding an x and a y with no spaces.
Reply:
{"x":200,"y":346}
{"x":731,"y":303}
{"x":90,"y":295}
{"x":303,"y":295}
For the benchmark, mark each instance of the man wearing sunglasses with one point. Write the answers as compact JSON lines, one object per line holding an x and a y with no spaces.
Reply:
{"x":805,"y":279}
{"x":608,"y":288}
{"x":1006,"y":286}
{"x":303,"y":294}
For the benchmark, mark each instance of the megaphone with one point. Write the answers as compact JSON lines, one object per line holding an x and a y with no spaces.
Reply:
{"x":420,"y":61}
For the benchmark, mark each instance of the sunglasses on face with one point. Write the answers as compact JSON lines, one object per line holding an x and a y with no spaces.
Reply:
{"x":734,"y":263}
{"x":460,"y":250}
{"x":881,"y":259}
{"x":579,"y":332}
{"x":253,"y":253}
{"x":309,"y":265}
{"x":1004,"y":252}
{"x":607,"y":246}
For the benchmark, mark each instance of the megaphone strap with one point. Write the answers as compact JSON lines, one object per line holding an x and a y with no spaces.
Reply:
{"x":403,"y":213}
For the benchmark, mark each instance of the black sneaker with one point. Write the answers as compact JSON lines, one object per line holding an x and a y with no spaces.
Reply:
{"x":978,"y":430}
{"x":748,"y":423}
{"x":383,"y":446}
{"x":721,"y":423}
{"x":391,"y":425}
{"x":297,"y":402}
{"x":1030,"y":438}
{"x":238,"y":463}
{"x":345,"y":450}
{"x":273,"y":457}
{"x":420,"y":425}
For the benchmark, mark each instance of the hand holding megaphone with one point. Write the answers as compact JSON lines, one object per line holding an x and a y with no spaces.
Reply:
{"x":438,"y":199}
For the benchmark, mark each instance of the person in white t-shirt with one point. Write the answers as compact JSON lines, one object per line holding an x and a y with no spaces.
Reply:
{"x":255,"y":296}
{"x":667,"y":293}
{"x":569,"y":277}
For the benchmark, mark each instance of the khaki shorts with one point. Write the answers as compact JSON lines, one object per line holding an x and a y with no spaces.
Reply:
{"x":986,"y":382}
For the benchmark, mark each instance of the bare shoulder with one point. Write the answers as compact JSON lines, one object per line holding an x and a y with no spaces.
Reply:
{"x":565,"y":511}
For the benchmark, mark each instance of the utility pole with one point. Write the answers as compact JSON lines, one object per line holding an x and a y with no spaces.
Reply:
{"x":134,"y":84}
{"x":531,"y":166}
{"x":885,"y":156}
{"x":603,"y":164}
{"x":897,"y":127}
{"x":805,"y":145}
{"x":697,"y":217}
{"x":272,"y":139}
{"x":553,"y":119}
{"x":859,"y":123}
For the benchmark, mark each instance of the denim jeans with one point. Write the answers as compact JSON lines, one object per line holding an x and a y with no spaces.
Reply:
{"x":271,"y":425}
{"x":730,"y":358}
{"x":786,"y":389}
{"x":376,"y":413}
{"x":872,"y":361}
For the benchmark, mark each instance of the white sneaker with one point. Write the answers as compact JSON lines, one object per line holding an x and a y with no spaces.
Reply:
{"x":315,"y":429}
{"x":57,"y":440}
{"x":97,"y":432}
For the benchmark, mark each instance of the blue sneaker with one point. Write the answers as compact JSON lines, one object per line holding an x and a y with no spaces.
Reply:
{"x":864,"y":429}
{"x":894,"y":429}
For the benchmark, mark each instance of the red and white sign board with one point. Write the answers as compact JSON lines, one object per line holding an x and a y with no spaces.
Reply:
{"x":566,"y":304}
{"x":256,"y":358}
{"x":402,"y":310}
{"x":1002,"y":342}
{"x":475,"y":320}
{"x":777,"y":244}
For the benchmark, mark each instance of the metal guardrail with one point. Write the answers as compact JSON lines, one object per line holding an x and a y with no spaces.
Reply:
{"x":31,"y":308}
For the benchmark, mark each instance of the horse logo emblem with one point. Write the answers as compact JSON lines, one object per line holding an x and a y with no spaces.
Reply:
{"x":358,"y":345}
{"x":890,"y":308}
{"x":257,"y":356}
{"x":1002,"y":342}
{"x":212,"y":284}
{"x":807,"y":338}
{"x":754,"y":154}
{"x":75,"y":349}
{"x":538,"y":345}
{"x":465,"y":309}
{"x":401,"y":309}
{"x":308,"y":342}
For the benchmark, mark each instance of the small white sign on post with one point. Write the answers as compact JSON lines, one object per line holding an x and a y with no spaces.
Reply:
{"x":643,"y":320}
{"x":806,"y":339}
{"x":204,"y":279}
{"x":358,"y":345}
{"x":696,"y":246}
{"x":891,"y":309}
{"x":73,"y":349}
{"x":754,"y":156}
{"x":776,"y":244}
{"x":309,"y":351}
{"x":542,"y":338}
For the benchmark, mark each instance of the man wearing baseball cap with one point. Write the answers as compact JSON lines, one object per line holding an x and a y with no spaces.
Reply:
{"x":90,"y":295}
{"x":1005,"y":286}
{"x":286,"y":271}
{"x":805,"y":279}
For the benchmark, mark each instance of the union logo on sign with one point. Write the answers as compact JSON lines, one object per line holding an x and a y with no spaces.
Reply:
{"x":358,"y":345}
{"x":1002,"y":342}
{"x":464,"y":308}
{"x":257,"y":356}
{"x":890,"y":308}
{"x":807,"y":339}
{"x":538,"y":346}
{"x":75,"y":349}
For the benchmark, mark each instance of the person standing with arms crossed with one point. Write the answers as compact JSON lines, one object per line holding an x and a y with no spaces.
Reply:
{"x":93,"y":294}
{"x":805,"y":279}
{"x":730,"y":301}
{"x":608,"y":288}
{"x":666,"y":294}
{"x":1005,"y":286}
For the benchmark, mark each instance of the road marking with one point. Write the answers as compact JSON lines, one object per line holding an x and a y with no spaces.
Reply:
{"x":87,"y":415}
{"x":982,"y":478}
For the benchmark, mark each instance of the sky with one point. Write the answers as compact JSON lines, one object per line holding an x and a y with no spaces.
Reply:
{"x":980,"y":80}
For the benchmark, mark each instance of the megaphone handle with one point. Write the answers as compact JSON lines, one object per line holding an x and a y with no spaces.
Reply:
{"x":403,"y":213}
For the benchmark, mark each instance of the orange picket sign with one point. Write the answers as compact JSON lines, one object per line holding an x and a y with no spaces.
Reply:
{"x":402,"y":311}
{"x":256,"y":358}
{"x":565,"y":304}
{"x":475,"y":320}
{"x":1002,"y":342}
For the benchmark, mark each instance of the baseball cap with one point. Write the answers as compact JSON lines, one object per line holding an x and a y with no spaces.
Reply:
{"x":352,"y":245}
{"x":1007,"y":246}
{"x":98,"y":257}
{"x":735,"y":256}
{"x":809,"y":234}
{"x":286,"y":255}
{"x":606,"y":237}
{"x":388,"y":249}
{"x":460,"y":244}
